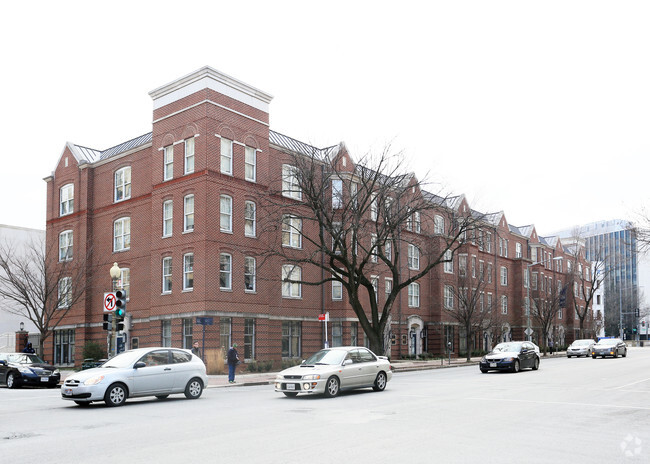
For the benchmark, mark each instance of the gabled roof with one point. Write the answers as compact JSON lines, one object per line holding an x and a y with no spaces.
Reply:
{"x":299,"y":147}
{"x":91,"y":155}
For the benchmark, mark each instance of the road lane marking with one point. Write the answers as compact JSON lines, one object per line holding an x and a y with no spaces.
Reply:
{"x":633,"y":383}
{"x":564,"y":403}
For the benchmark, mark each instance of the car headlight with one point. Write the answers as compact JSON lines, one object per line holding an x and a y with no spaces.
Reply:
{"x":483,"y":359}
{"x":56,"y":371}
{"x":25,"y":370}
{"x":508,"y":359}
{"x":94,"y":380}
{"x":311,"y":377}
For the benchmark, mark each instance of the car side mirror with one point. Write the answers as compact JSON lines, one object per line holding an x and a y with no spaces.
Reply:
{"x":347,"y":362}
{"x":139,"y":364}
{"x":3,"y":363}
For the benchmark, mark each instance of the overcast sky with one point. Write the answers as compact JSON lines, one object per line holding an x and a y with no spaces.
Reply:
{"x":538,"y":109}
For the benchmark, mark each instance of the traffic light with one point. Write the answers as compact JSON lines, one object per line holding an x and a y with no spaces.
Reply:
{"x":636,"y":312}
{"x":108,"y":318}
{"x":120,"y":309}
{"x":634,"y":330}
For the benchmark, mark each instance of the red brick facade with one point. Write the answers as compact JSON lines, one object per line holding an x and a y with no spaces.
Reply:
{"x":208,"y":107}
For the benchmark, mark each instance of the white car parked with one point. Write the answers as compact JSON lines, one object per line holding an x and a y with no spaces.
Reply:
{"x":155,"y":372}
{"x":331,"y":370}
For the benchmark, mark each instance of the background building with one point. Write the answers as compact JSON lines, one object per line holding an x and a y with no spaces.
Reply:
{"x":179,"y":209}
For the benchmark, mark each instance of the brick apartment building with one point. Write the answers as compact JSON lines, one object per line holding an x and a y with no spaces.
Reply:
{"x":177,"y":210}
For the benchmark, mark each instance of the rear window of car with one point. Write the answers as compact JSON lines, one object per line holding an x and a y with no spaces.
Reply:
{"x":181,"y":357}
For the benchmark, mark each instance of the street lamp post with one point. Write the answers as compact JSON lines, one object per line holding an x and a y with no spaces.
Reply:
{"x":116,"y":273}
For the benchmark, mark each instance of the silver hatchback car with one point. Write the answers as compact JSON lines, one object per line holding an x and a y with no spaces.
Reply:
{"x":155,"y":372}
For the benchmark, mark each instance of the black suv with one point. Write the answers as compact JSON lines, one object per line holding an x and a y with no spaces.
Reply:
{"x":18,"y":369}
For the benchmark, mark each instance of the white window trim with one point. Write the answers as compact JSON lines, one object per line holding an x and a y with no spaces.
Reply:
{"x":171,"y":270}
{"x":186,"y":213}
{"x":229,"y":214}
{"x":185,"y":155}
{"x":168,"y":233}
{"x":186,"y":288}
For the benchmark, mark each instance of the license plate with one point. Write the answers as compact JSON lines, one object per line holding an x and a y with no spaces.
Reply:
{"x":45,"y":379}
{"x":493,"y":364}
{"x":67,"y":391}
{"x":291,"y":386}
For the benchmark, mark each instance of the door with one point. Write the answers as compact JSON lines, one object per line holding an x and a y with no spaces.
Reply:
{"x":351,"y":374}
{"x":156,"y":377}
{"x":369,"y":367}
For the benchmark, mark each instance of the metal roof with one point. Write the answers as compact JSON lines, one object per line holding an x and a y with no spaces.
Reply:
{"x":297,"y":146}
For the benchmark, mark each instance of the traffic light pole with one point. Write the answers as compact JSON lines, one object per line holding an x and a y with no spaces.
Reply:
{"x":113,"y":345}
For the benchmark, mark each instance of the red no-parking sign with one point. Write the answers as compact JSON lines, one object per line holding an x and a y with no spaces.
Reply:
{"x":109,"y":302}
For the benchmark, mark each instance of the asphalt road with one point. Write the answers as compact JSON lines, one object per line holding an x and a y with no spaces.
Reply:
{"x":570,"y":411}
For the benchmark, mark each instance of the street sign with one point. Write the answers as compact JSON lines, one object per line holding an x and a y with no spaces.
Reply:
{"x":109,"y":302}
{"x":205,"y":320}
{"x":321,"y":317}
{"x":528,"y":331}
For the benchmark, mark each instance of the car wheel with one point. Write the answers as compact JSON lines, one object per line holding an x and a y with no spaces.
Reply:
{"x":568,"y":356}
{"x":380,"y":382}
{"x":615,"y":354}
{"x":162,"y":397}
{"x":115,"y":395}
{"x":290,"y":394}
{"x":593,"y":356}
{"x":13,"y":381}
{"x":332,"y":387}
{"x":536,"y":364}
{"x":515,"y":366}
{"x":193,"y":389}
{"x":485,"y":371}
{"x":624,"y":353}
{"x":83,"y":404}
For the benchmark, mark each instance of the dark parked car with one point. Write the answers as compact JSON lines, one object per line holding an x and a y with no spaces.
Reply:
{"x":609,"y":347}
{"x":18,"y":369}
{"x":510,"y":356}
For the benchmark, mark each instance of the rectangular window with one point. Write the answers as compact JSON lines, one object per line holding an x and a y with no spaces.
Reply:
{"x":337,"y":290}
{"x":449,"y":262}
{"x":188,"y":213}
{"x":291,"y":232}
{"x":125,"y":281}
{"x":226,"y":156}
{"x":518,"y":252}
{"x":374,"y":207}
{"x":489,"y":273}
{"x":354,"y":333}
{"x":474,"y":267}
{"x":166,"y":332}
{"x":250,"y":164}
{"x":337,"y":333}
{"x":250,"y":219}
{"x":291,"y":335}
{"x":226,"y":213}
{"x":489,"y":302}
{"x":388,"y":250}
{"x":462,"y":265}
{"x":66,"y":199}
{"x":388,"y":286}
{"x":189,"y":155}
{"x":225,"y":332}
{"x":167,"y":274}
{"x":414,"y":295}
{"x":374,"y":280}
{"x":64,"y":346}
{"x":438,"y":225}
{"x":168,"y":168}
{"x":122,"y":234}
{"x":290,"y":184}
{"x":373,"y":248}
{"x":291,"y":276}
{"x":123,"y":184}
{"x":250,"y":279}
{"x":65,"y":245}
{"x":416,"y":222}
{"x":188,"y":328}
{"x":65,"y":293}
{"x":225,"y":271}
{"x":249,"y":339}
{"x":533,"y":282}
{"x":188,"y":271}
{"x":449,"y":297}
{"x":504,"y":304}
{"x":168,"y":218}
{"x":413,"y":257}
{"x":504,"y":276}
{"x":337,"y":193}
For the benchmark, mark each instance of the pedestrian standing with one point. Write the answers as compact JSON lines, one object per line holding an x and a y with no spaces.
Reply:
{"x":29,"y":349}
{"x":550,"y":345}
{"x":195,"y":349}
{"x":233,"y":360}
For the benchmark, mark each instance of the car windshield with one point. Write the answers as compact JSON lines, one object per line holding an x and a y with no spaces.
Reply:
{"x":25,"y":359}
{"x":582,"y":342}
{"x":126,"y":359}
{"x":507,"y":347}
{"x":326,"y":357}
{"x":608,"y":342}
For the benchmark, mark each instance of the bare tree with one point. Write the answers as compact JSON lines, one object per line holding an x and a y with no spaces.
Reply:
{"x":472,"y":314}
{"x":546,"y":302}
{"x":359,"y":221}
{"x":38,"y":284}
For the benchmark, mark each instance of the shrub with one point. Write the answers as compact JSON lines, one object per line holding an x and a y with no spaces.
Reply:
{"x":93,"y":350}
{"x":215,"y":361}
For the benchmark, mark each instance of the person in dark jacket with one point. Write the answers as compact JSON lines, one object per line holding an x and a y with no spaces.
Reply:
{"x":196,"y":351}
{"x":29,"y":349}
{"x":233,"y":360}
